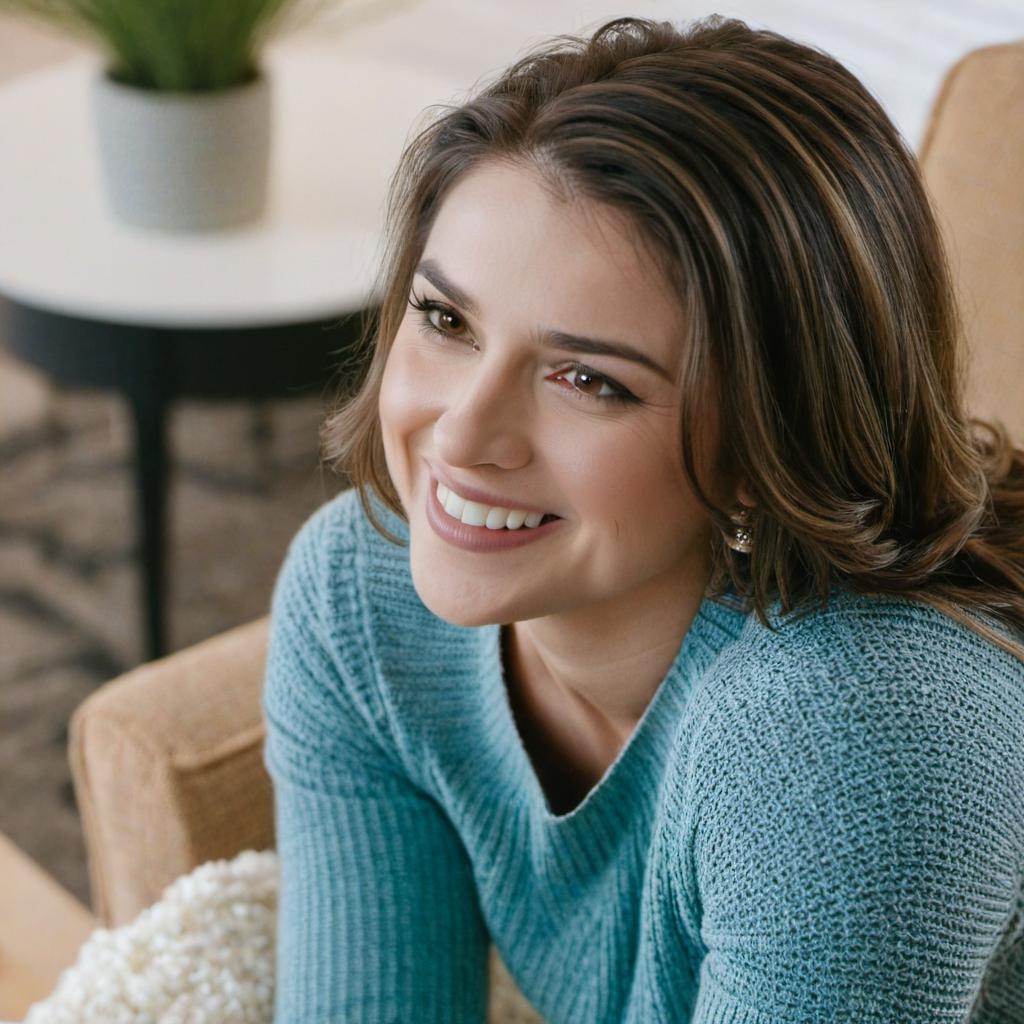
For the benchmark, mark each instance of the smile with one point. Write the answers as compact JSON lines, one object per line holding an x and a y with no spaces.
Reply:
{"x":493,"y":517}
{"x":478,"y":535}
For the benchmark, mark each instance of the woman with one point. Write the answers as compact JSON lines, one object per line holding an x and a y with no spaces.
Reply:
{"x":672,"y":636}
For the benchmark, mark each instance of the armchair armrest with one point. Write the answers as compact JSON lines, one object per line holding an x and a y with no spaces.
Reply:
{"x":167,"y":768}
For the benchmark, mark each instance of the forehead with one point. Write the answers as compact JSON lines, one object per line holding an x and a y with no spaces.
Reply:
{"x":578,"y":265}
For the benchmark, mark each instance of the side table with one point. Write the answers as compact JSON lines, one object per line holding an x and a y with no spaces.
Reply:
{"x":256,"y":311}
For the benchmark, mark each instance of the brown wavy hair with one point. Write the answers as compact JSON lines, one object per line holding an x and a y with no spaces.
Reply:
{"x":778,"y":197}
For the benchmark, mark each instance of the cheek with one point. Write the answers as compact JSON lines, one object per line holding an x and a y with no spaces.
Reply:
{"x":401,"y":402}
{"x":631,"y":478}
{"x":396,"y":411}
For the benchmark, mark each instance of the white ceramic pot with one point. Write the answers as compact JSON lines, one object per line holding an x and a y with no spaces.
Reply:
{"x":183,"y":161}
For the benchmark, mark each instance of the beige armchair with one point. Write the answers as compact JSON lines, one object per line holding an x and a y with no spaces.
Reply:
{"x":167,"y":759}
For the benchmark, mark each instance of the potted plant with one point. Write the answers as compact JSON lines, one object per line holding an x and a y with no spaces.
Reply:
{"x":182,"y":108}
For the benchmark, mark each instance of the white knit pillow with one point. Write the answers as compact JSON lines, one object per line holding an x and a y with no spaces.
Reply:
{"x":202,"y":954}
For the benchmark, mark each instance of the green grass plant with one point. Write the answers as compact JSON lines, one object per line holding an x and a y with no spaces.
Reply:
{"x":174,"y":45}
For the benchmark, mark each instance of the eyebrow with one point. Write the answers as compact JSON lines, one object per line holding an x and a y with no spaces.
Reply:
{"x":551,"y":338}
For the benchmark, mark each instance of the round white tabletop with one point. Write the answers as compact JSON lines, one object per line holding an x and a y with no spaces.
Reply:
{"x":339,"y":127}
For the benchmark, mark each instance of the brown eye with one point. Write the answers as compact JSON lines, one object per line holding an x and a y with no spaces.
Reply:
{"x":449,"y":320}
{"x":585,"y":377}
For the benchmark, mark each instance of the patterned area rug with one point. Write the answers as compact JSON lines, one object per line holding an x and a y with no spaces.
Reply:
{"x":243,"y":478}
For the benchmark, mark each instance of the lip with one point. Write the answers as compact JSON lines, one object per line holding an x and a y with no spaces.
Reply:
{"x":479,"y":538}
{"x":472,"y":494}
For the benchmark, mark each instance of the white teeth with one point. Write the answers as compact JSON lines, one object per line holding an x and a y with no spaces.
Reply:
{"x":516,"y":519}
{"x":472,"y":513}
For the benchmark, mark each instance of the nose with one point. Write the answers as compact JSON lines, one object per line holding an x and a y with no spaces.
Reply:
{"x":485,"y":417}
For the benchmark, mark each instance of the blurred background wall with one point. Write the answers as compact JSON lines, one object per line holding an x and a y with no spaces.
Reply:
{"x":245,"y":474}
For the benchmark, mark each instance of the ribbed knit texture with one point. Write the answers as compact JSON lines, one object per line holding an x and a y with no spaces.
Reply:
{"x":824,"y":823}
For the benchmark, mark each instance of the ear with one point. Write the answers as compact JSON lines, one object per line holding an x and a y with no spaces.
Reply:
{"x":744,"y":497}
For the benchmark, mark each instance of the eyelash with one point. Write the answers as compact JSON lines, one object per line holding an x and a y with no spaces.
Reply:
{"x":620,"y":397}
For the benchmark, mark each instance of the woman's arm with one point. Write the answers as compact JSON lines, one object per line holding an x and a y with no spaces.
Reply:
{"x":378,"y":919}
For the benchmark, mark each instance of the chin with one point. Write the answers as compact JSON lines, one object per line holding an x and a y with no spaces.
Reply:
{"x":455,"y":613}
{"x":458,"y":605}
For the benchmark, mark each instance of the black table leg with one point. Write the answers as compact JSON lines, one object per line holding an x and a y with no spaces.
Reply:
{"x":151,"y":495}
{"x":153,"y":366}
{"x":146,"y":380}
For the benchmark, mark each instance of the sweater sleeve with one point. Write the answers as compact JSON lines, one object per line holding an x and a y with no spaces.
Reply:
{"x":850,"y":849}
{"x":378,"y":918}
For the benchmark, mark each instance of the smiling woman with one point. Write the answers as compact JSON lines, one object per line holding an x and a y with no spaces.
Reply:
{"x":481,"y":394}
{"x":672,"y":636}
{"x":813,"y":313}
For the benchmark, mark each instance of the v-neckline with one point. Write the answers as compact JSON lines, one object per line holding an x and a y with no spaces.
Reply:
{"x":598,"y":793}
{"x":565,"y":784}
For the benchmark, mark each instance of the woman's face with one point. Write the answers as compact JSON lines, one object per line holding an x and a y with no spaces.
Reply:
{"x":494,"y":406}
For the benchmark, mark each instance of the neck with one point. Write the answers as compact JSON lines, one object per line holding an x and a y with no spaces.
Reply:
{"x":606,"y":673}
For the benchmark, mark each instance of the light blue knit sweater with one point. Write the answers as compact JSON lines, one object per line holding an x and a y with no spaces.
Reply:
{"x":820,"y":824}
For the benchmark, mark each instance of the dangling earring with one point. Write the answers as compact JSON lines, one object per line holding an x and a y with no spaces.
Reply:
{"x":742,"y":534}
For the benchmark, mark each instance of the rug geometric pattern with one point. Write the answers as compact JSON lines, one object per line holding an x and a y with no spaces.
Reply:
{"x":243,"y":477}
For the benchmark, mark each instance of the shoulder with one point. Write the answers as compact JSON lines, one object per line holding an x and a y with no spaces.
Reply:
{"x":324,"y":548}
{"x":317,"y":651}
{"x":320,"y":555}
{"x":866,"y":690}
{"x":845,"y":802}
{"x":337,"y":554}
{"x":885,"y":654}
